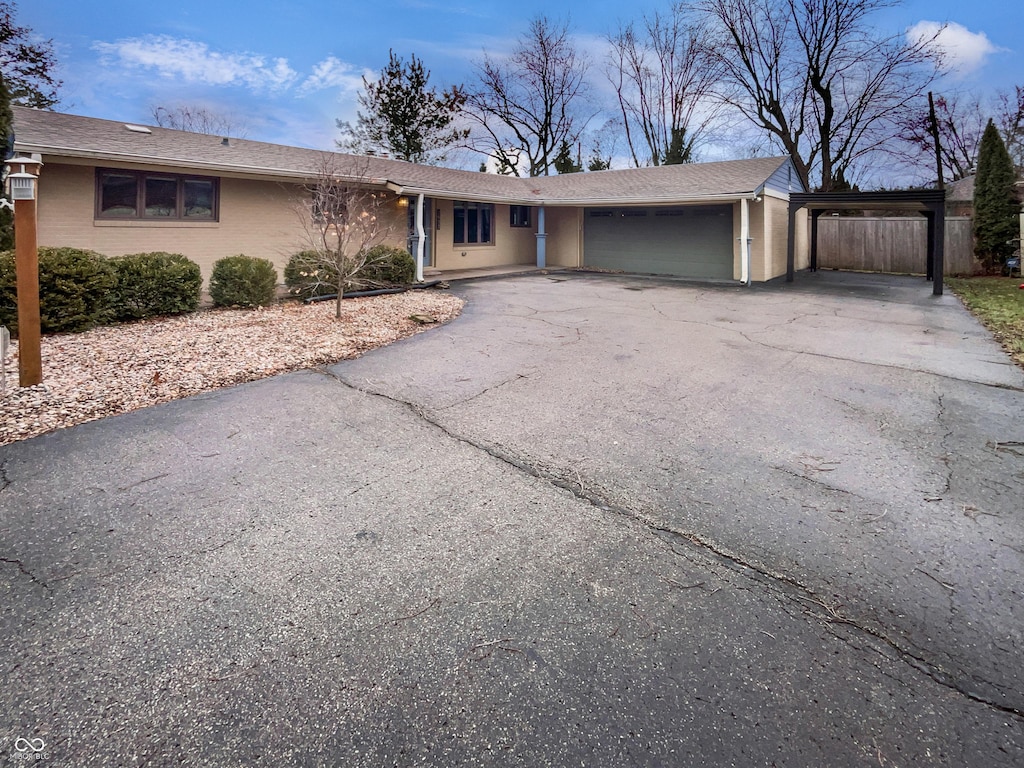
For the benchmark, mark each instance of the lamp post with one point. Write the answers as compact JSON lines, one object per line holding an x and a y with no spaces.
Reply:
{"x":23,"y":185}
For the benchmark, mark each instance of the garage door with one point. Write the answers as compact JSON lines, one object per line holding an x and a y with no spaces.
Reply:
{"x":691,"y":241}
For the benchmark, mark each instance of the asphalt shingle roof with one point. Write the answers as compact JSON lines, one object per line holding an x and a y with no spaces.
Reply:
{"x":56,"y":134}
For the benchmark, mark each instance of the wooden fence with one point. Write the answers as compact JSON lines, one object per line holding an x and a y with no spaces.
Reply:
{"x":891,"y":244}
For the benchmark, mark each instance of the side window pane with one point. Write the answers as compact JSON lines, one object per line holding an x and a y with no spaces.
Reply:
{"x":198,"y":199}
{"x":161,"y":197}
{"x":118,"y":195}
{"x":472,"y":223}
{"x":459,"y":223}
{"x":486,"y":214}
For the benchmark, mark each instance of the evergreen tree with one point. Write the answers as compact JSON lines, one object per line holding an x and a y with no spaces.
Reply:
{"x":564,"y":161}
{"x":6,"y":130}
{"x":27,"y":61}
{"x":996,"y":209}
{"x":680,"y":149}
{"x":403,"y":117}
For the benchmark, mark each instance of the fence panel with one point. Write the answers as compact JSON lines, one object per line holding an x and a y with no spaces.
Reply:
{"x":891,"y":244}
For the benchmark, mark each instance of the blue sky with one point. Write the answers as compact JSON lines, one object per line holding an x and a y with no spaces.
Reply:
{"x":286,"y":70}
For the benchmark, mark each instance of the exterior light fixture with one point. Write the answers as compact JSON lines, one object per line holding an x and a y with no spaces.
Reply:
{"x":23,"y":182}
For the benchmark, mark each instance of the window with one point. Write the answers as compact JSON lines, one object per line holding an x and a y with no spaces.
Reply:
{"x":138,"y":195}
{"x":473,"y":223}
{"x":519,"y":215}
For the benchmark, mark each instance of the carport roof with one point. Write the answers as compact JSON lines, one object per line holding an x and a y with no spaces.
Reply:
{"x":57,"y":135}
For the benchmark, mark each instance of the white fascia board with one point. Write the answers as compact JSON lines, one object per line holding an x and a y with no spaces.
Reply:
{"x":289,"y":174}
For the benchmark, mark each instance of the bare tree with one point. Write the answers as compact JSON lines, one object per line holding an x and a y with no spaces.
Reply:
{"x":818,"y":78}
{"x":528,"y":104}
{"x":343,"y":218}
{"x":664,"y":77}
{"x":960,"y":122}
{"x":198,"y":120}
{"x":1010,"y":121}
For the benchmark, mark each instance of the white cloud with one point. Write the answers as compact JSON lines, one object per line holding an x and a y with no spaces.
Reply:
{"x":964,"y":51}
{"x":194,"y":62}
{"x":334,"y":73}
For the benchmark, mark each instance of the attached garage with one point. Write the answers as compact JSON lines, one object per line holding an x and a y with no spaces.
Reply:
{"x":686,"y":241}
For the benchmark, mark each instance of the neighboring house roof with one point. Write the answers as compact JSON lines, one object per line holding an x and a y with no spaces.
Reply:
{"x":960,"y":190}
{"x":108,"y":141}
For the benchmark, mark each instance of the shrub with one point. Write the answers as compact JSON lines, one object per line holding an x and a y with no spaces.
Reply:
{"x":75,"y":288}
{"x":155,"y":284}
{"x":386,"y":265}
{"x":308,"y":274}
{"x":243,"y":281}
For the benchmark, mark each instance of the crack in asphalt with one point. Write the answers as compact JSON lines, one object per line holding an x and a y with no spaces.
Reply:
{"x":946,"y":458}
{"x":994,"y":385}
{"x":26,"y":572}
{"x":481,"y":393}
{"x":777,"y":348}
{"x":787,"y":586}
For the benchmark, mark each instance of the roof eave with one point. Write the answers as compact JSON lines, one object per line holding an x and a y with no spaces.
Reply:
{"x":282,"y":174}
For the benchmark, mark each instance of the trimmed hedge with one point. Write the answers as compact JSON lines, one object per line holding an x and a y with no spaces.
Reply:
{"x":243,"y":281}
{"x":75,"y":288}
{"x":156,"y":283}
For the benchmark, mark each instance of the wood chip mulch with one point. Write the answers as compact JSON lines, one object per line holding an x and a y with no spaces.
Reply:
{"x":120,"y":368}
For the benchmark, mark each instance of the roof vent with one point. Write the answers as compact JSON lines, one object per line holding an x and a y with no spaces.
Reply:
{"x":137,"y":128}
{"x":225,"y":142}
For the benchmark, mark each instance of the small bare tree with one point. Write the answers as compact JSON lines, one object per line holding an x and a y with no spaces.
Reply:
{"x":198,"y":120}
{"x":343,"y":217}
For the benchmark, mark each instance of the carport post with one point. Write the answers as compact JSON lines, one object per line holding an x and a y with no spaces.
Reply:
{"x":814,"y":239}
{"x":937,"y":238}
{"x":791,"y":243}
{"x":542,"y":237}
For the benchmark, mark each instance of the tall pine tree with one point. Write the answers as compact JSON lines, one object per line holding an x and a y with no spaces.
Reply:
{"x":564,"y":161}
{"x":996,"y":209}
{"x":403,"y":117}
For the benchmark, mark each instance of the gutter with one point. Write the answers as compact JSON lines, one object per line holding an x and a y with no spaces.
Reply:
{"x":291,"y":174}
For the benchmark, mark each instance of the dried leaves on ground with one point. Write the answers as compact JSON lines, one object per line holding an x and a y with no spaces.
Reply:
{"x":123,"y":367}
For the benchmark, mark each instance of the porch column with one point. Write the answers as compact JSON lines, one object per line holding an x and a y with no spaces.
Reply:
{"x":421,"y":238}
{"x":542,"y":237}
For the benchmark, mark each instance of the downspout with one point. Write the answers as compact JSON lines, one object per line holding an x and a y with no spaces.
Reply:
{"x":542,"y":237}
{"x":420,"y":238}
{"x":744,"y":241}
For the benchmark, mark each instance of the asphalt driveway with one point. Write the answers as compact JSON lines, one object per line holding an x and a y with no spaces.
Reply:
{"x":594,"y":521}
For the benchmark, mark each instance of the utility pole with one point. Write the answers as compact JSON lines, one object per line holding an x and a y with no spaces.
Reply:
{"x":933,"y":129}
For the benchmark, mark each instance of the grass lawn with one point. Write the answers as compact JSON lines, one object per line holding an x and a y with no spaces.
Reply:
{"x":999,"y":303}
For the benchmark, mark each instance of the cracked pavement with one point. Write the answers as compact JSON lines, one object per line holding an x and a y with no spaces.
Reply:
{"x":595,"y":520}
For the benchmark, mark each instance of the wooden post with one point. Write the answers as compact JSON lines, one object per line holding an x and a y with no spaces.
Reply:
{"x":26,"y":258}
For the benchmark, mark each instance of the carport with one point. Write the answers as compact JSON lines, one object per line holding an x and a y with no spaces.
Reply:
{"x":931,"y":203}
